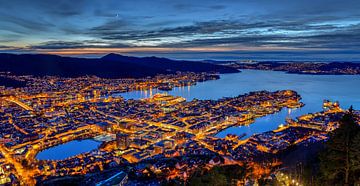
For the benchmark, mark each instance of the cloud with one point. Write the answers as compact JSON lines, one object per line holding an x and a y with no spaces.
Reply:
{"x":302,"y":34}
{"x":112,"y":25}
{"x":110,"y":31}
{"x":279,"y":24}
{"x":217,"y":7}
{"x":24,"y":24}
{"x":187,"y":7}
{"x":11,"y":49}
{"x":296,"y":34}
{"x":3,"y":46}
{"x":53,"y":45}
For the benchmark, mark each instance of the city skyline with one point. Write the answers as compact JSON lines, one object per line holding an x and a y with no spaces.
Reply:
{"x":276,"y":30}
{"x":180,"y":92}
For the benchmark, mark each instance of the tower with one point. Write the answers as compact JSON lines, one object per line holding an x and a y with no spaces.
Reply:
{"x":122,"y":141}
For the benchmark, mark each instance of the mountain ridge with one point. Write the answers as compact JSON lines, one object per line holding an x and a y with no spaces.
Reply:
{"x":108,"y":66}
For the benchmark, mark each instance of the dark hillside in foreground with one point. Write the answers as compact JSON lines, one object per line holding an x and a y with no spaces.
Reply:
{"x":109,"y":66}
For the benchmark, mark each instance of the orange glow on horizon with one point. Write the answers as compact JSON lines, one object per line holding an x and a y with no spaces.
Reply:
{"x":81,"y":51}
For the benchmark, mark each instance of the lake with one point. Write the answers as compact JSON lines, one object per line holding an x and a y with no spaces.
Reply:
{"x":313,"y":89}
{"x":68,"y":149}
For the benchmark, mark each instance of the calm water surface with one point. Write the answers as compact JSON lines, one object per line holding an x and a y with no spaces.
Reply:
{"x":68,"y":149}
{"x":313,"y":89}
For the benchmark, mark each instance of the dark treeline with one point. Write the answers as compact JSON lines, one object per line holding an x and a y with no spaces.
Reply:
{"x":11,"y":83}
{"x":337,"y":161}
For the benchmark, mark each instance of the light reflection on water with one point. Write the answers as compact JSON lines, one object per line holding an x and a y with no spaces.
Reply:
{"x":313,"y":89}
{"x":68,"y":149}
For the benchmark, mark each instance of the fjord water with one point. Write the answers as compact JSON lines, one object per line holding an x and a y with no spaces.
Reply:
{"x":312,"y":88}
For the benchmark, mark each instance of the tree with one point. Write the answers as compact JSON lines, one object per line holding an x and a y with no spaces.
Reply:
{"x":355,"y":157}
{"x":213,"y":178}
{"x":218,"y":176}
{"x":339,"y":161}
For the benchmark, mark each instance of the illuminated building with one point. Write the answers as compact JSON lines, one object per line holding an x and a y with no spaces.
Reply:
{"x":122,"y":141}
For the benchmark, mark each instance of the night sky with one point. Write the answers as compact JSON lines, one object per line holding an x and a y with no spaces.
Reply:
{"x":196,"y":29}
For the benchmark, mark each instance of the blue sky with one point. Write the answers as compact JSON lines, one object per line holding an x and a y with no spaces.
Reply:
{"x":239,"y":29}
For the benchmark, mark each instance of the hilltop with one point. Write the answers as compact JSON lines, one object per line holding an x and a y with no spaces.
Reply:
{"x":108,"y":66}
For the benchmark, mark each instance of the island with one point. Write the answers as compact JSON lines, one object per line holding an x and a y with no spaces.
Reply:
{"x":317,"y":68}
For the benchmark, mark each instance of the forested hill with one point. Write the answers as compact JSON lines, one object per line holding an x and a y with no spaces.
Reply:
{"x":109,"y":66}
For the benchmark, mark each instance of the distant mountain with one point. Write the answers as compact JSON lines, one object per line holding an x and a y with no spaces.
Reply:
{"x":319,"y":68}
{"x":109,"y":66}
{"x":218,"y":61}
